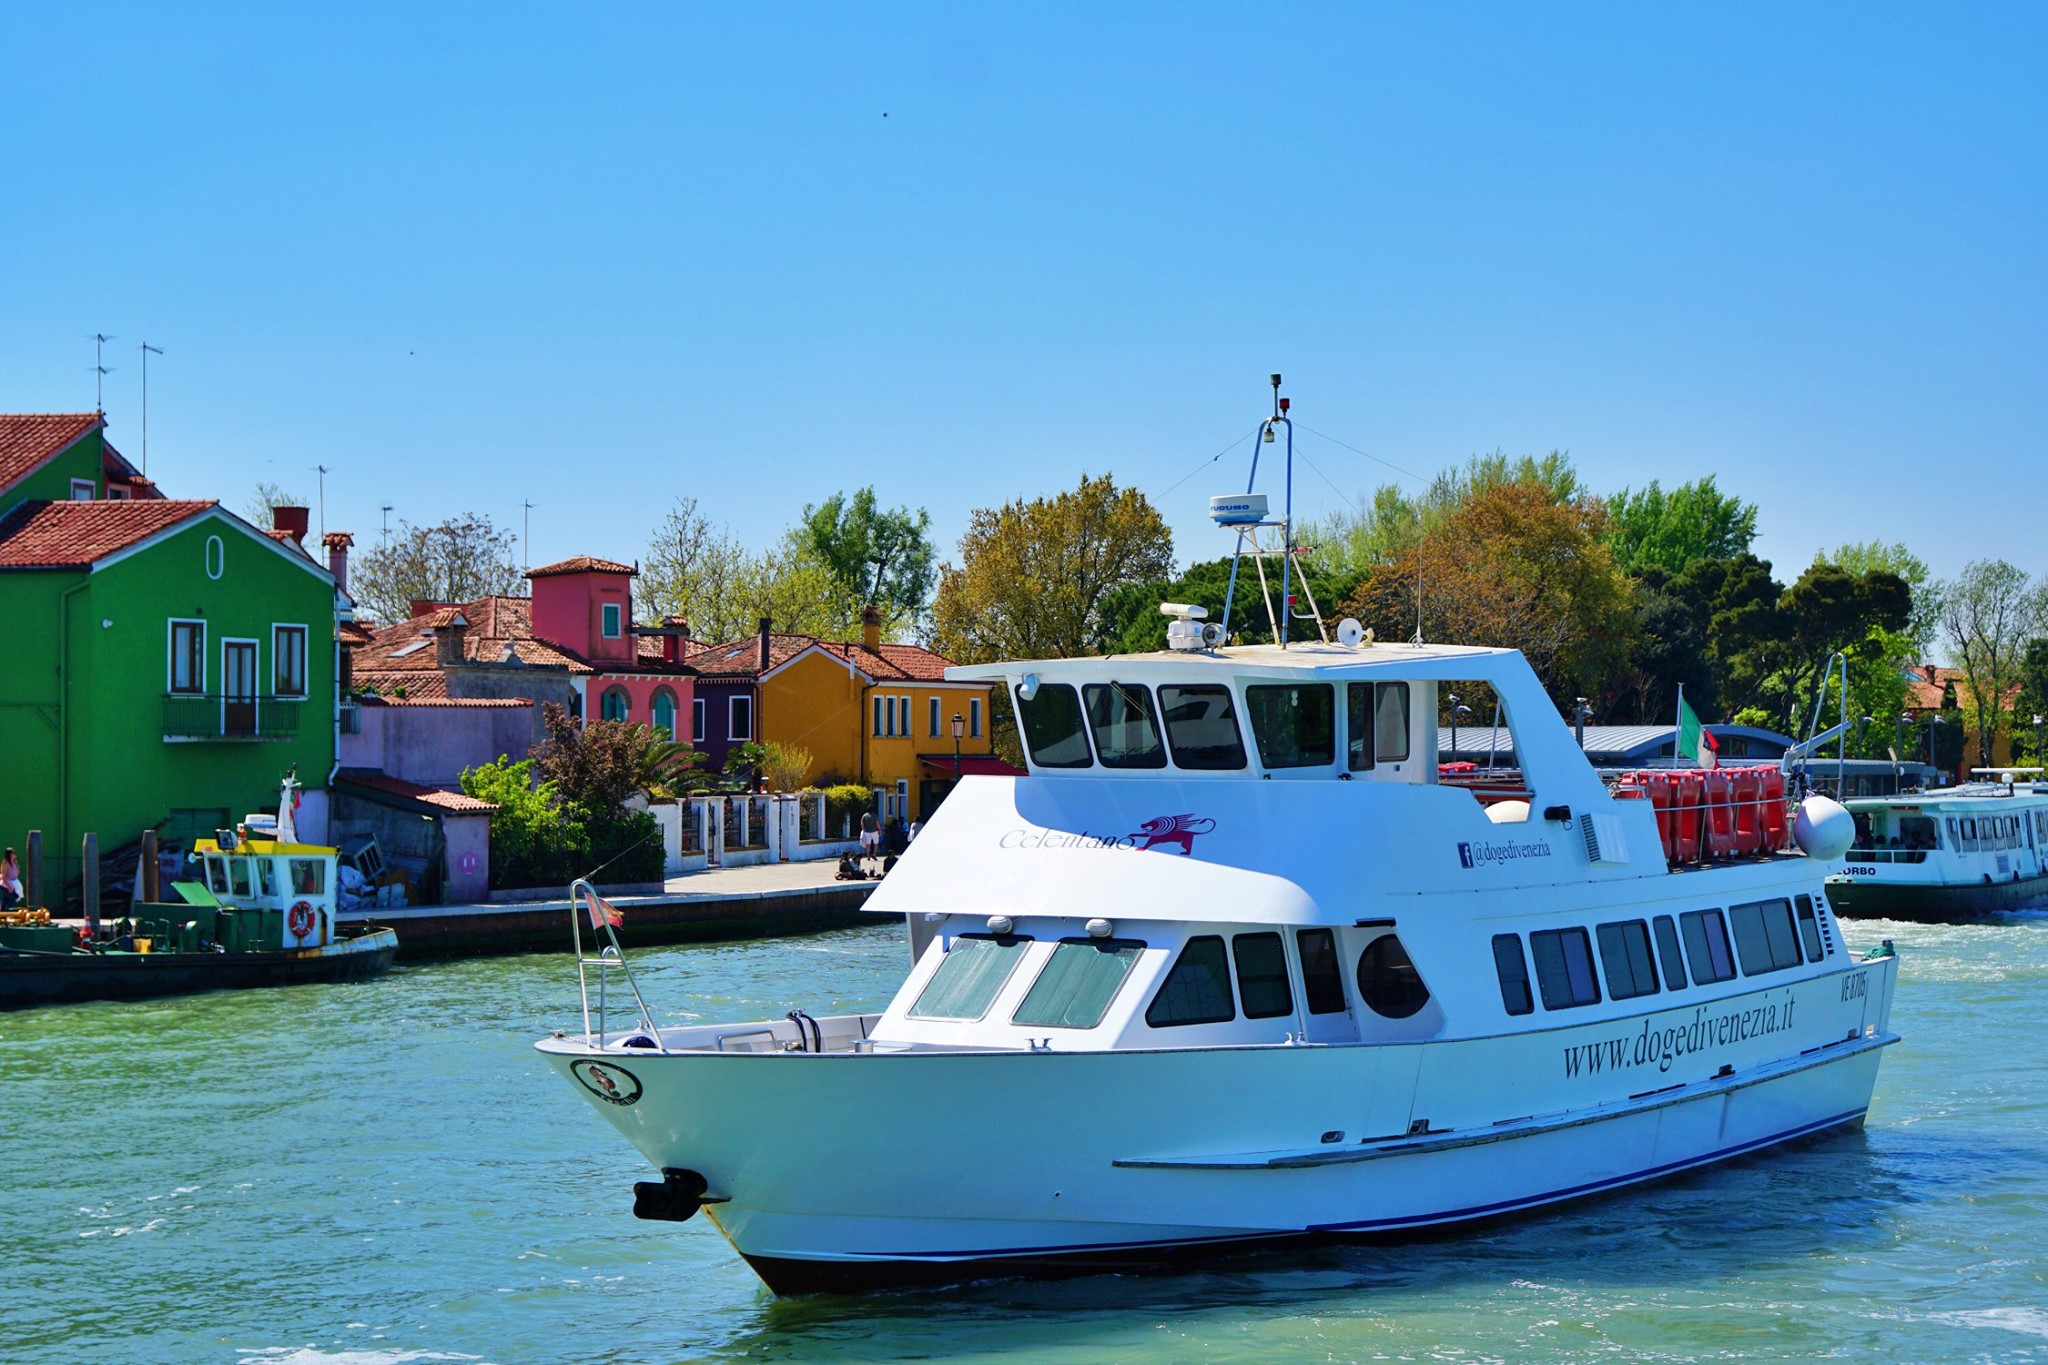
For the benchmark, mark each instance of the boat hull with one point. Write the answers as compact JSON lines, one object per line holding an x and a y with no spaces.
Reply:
{"x":30,"y":979}
{"x":853,"y":1171}
{"x":1933,"y":902}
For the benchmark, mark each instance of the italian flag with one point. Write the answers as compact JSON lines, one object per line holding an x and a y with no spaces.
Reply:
{"x":1693,"y":740}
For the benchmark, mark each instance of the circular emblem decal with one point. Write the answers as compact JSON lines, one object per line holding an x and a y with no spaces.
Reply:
{"x":612,"y":1084}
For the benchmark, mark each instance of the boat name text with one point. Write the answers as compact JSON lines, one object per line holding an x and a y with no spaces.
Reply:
{"x":1660,"y":1047}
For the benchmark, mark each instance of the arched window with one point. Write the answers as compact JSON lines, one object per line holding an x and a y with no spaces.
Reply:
{"x":615,"y":704}
{"x":665,"y":712}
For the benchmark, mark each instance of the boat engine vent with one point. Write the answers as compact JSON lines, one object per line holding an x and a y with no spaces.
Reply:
{"x":1605,"y":842}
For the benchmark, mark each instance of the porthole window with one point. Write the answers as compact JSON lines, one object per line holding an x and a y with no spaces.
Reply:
{"x":216,"y":557}
{"x":1388,"y":981}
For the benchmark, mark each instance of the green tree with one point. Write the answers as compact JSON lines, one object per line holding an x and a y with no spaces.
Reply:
{"x":1872,"y":556}
{"x":1033,"y":575}
{"x":2033,"y":695}
{"x":702,"y":573}
{"x":1988,"y":614}
{"x":878,"y":556}
{"x":1674,"y":530}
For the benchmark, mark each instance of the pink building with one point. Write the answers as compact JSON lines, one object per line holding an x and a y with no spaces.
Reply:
{"x":584,"y":608}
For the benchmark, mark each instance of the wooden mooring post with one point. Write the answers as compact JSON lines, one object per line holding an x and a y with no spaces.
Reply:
{"x":34,"y":870}
{"x":147,"y":884}
{"x":90,"y":881}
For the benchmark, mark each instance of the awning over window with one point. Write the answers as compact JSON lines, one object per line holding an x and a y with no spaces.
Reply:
{"x":971,"y":765}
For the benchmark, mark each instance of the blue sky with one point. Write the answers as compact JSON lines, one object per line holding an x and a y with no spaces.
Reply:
{"x":599,"y":257}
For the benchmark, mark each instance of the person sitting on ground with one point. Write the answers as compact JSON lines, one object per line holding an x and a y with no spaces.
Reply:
{"x":849,"y":870}
{"x":888,"y":866}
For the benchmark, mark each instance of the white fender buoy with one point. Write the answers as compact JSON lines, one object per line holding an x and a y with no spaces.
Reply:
{"x":1823,"y":828}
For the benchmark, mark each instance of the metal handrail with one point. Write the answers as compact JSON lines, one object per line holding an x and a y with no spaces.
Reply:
{"x":604,"y":963}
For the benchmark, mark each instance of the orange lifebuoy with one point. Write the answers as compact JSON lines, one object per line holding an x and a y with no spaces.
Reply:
{"x":301,"y":920}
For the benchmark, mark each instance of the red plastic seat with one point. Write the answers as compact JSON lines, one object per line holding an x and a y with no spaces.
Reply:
{"x":1687,"y":816}
{"x":1718,"y":825}
{"x":1746,"y":791}
{"x":1777,"y":828}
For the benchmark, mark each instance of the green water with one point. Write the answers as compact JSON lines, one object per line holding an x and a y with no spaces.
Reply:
{"x":384,"y":1173}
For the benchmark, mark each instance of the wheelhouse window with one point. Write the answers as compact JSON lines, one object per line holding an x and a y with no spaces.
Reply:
{"x":1765,"y":938}
{"x":1706,"y":947}
{"x":1513,"y":970}
{"x":188,"y":657}
{"x":309,"y":876}
{"x":615,"y":704}
{"x":1564,"y":968}
{"x":1322,"y":980}
{"x":970,"y":977}
{"x":739,"y":718}
{"x":1197,"y":990}
{"x":1201,"y":728}
{"x":1081,"y":978}
{"x":1051,"y":722}
{"x":1294,"y":724}
{"x":1388,"y":981}
{"x":1376,"y":729}
{"x":1625,"y":953}
{"x":1809,"y":929}
{"x":1262,"y":975}
{"x":1126,"y":732}
{"x":288,"y":661}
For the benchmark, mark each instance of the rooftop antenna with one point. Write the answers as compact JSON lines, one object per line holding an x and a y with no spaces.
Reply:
{"x":526,"y":533}
{"x":1246,"y":515}
{"x":323,"y":499}
{"x":100,"y":372}
{"x":147,"y":351}
{"x":385,"y":537}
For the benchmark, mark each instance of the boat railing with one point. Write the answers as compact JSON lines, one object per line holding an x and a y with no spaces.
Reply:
{"x":609,"y":958}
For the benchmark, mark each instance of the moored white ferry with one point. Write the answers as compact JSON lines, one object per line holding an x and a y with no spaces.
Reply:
{"x":1973,"y":849}
{"x":1236,"y":963}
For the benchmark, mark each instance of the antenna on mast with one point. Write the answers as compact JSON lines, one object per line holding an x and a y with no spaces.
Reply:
{"x":322,"y":469}
{"x":147,"y":351}
{"x":100,"y":372}
{"x":385,"y":537}
{"x":526,"y":533}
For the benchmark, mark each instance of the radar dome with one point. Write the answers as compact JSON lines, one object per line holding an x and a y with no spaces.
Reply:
{"x":1823,"y":829}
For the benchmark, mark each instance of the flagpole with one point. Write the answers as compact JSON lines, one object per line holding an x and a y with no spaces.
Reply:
{"x":1677,"y":725}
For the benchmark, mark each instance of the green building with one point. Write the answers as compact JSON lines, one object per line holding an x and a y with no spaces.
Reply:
{"x":166,"y":662}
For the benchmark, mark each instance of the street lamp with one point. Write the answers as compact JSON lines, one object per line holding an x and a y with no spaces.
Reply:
{"x":959,"y":729}
{"x":1581,"y":713}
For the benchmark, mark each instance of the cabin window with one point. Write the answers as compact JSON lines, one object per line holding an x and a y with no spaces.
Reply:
{"x":1322,"y":980}
{"x":1294,"y":724}
{"x":1051,"y":722}
{"x":1126,"y":732}
{"x":1079,"y":981}
{"x":1809,"y":928}
{"x":1376,"y":729}
{"x":1262,"y":976}
{"x":1564,"y":968}
{"x":1706,"y":947}
{"x":309,"y":876}
{"x":1667,"y":952}
{"x":241,"y":883}
{"x":1388,"y":981}
{"x":265,"y":880}
{"x":1201,"y":727}
{"x":1197,"y":990}
{"x":217,"y":876}
{"x":1625,"y":953}
{"x":1513,"y":970}
{"x":1764,"y":937}
{"x":1390,"y":721}
{"x":970,"y":977}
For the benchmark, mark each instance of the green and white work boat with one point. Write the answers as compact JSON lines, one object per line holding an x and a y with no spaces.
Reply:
{"x":1975,"y":849}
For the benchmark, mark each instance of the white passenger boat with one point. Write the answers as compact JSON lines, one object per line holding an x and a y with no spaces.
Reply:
{"x":1973,"y":849}
{"x":1236,"y":963}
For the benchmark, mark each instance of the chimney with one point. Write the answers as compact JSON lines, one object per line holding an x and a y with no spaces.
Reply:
{"x":448,"y":633}
{"x":765,"y":624}
{"x":674,"y":631}
{"x":292,"y":521}
{"x":421,"y":606}
{"x":337,"y":543}
{"x":871,"y":628}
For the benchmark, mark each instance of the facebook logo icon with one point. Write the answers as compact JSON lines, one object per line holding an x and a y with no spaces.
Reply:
{"x":1465,"y":855}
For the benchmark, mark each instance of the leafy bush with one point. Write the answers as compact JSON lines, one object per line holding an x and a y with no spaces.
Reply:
{"x":847,"y":802}
{"x":538,"y":839}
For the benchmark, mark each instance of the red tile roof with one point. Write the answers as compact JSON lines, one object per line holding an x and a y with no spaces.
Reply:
{"x":582,"y":564}
{"x":420,"y":684}
{"x":914,"y":663}
{"x":73,"y":535}
{"x":413,"y":791}
{"x":413,"y":697}
{"x":494,"y":624}
{"x":741,"y":658}
{"x":29,"y":440}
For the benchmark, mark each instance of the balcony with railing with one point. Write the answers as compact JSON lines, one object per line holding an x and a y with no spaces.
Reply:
{"x":192,"y":717}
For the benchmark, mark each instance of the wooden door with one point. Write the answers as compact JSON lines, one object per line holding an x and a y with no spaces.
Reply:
{"x":238,"y":687}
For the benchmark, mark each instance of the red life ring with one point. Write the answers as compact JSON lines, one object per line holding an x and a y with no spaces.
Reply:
{"x":301,"y":920}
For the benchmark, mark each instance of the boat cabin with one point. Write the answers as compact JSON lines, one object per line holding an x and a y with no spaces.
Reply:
{"x":295,"y":882}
